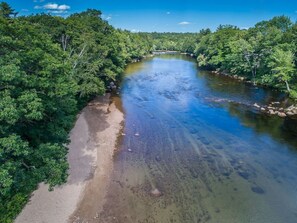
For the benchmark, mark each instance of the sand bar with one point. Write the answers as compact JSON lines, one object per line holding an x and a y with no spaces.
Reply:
{"x":93,"y":140}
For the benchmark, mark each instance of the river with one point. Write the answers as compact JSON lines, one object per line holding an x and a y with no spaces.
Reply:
{"x":193,"y":150}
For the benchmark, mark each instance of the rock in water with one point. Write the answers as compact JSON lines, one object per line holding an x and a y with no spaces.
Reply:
{"x":282,"y":114}
{"x":256,"y":105}
{"x":257,"y":190}
{"x":158,"y":158}
{"x":245,"y":175}
{"x":271,"y":112}
{"x":156,"y":193}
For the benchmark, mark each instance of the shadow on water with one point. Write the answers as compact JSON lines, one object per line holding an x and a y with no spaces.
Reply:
{"x":235,"y":89}
{"x":265,"y":124}
{"x":193,"y":151}
{"x":238,"y":98}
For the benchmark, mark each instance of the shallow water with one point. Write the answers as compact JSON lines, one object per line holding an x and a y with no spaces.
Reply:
{"x":193,"y":136}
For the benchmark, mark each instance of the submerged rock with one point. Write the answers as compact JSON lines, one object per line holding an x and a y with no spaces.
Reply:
{"x":291,"y":111}
{"x":257,"y":190}
{"x":217,"y":210}
{"x":155,"y":193}
{"x":256,"y":105}
{"x":158,"y":158}
{"x":245,"y":175}
{"x":226,"y":174}
{"x":271,"y":112}
{"x":275,"y":103}
{"x":282,"y":114}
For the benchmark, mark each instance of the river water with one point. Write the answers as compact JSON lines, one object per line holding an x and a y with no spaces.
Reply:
{"x":193,"y":137}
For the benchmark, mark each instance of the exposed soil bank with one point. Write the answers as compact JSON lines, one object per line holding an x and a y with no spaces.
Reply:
{"x":93,"y":140}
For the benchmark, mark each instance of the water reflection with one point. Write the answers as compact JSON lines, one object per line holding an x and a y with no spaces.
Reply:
{"x":193,"y":151}
{"x":234,"y":89}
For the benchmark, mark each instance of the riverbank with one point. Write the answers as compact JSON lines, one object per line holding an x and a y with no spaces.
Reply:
{"x":93,"y":141}
{"x":277,"y":108}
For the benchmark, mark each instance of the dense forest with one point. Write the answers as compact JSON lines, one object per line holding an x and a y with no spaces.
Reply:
{"x":182,"y":42}
{"x":51,"y":66}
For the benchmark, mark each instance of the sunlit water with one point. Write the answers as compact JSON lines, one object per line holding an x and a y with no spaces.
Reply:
{"x":194,"y":137}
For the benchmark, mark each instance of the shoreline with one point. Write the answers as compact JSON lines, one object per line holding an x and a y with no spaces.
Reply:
{"x":93,"y":142}
{"x":89,"y":207}
{"x":274,"y":108}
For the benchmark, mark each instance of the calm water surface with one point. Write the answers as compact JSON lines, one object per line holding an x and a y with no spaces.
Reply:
{"x":194,"y":137}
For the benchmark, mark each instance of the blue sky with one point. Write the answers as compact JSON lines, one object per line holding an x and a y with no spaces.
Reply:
{"x":170,"y":15}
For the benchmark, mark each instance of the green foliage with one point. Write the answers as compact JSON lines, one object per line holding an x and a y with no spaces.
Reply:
{"x":183,"y":42}
{"x":281,"y":23}
{"x":215,"y":46}
{"x":49,"y":67}
{"x":293,"y":94}
{"x":282,"y":66}
{"x":6,"y":11}
{"x":35,"y":85}
{"x":264,"y":54}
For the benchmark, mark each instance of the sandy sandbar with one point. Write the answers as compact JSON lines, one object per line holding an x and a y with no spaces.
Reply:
{"x":93,"y":141}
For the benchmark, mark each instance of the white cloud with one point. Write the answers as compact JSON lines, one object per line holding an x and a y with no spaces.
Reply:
{"x":25,"y":10}
{"x":53,"y":7}
{"x":168,"y":13}
{"x":63,"y":7}
{"x":38,"y":0}
{"x":184,"y":23}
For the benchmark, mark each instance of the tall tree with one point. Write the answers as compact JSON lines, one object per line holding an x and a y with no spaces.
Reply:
{"x":282,"y":66}
{"x":6,"y":11}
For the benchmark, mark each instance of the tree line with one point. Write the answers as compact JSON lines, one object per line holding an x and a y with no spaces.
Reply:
{"x":182,"y":42}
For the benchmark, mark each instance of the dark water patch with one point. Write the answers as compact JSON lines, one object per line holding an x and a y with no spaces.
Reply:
{"x":244,"y":174}
{"x":257,"y":190}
